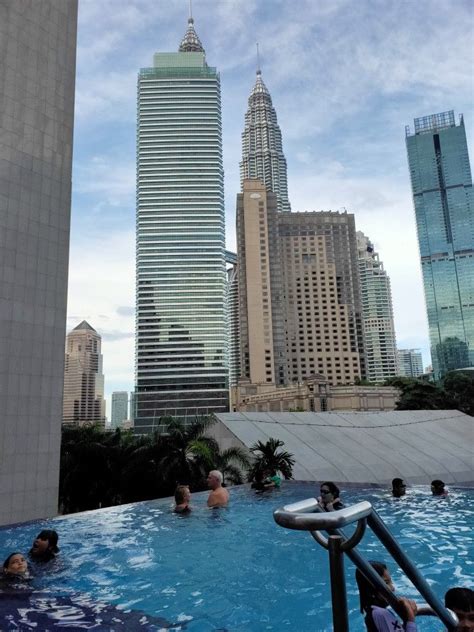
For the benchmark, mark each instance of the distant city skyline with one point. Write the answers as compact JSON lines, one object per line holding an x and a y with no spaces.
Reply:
{"x":341,"y":110}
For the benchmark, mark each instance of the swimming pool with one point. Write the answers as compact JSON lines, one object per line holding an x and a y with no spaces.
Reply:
{"x":142,"y":567}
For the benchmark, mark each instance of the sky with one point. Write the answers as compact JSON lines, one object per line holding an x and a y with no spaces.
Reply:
{"x":345,"y":76}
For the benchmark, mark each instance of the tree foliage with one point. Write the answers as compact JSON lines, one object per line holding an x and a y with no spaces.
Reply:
{"x":269,"y":457}
{"x":101,"y":468}
{"x":454,"y":391}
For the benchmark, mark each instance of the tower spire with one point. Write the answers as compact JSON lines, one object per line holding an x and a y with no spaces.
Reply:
{"x":191,"y":42}
{"x":262,"y":150}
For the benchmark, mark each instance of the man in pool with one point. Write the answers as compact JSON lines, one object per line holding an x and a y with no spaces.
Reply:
{"x":461,"y":602}
{"x":398,"y":488}
{"x":218,"y":496}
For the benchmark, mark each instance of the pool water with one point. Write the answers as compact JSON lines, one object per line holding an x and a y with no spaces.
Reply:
{"x":141,"y":567}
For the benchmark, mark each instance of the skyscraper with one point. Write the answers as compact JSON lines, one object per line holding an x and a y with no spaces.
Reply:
{"x":442,"y":193}
{"x":119,"y":408}
{"x":181,"y":338}
{"x":262,"y":148}
{"x":318,"y":252}
{"x":299,"y":298}
{"x":83,"y":377}
{"x":410,"y":362}
{"x":37,"y":83}
{"x":377,"y":312}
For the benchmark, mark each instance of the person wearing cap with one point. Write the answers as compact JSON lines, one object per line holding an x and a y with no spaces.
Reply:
{"x":45,"y":546}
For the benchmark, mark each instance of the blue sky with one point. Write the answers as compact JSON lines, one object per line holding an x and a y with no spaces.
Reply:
{"x":345,"y":76}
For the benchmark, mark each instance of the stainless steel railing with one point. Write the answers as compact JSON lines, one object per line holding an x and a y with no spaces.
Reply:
{"x":307,"y":515}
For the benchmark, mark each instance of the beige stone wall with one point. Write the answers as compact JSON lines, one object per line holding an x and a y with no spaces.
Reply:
{"x":313,"y":395}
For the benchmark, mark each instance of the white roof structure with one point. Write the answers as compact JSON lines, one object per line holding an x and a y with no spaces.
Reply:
{"x":362,"y":447}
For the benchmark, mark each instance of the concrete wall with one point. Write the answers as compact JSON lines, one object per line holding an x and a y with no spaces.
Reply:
{"x":37,"y":79}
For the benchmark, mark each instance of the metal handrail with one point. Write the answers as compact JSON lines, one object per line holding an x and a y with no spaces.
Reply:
{"x":307,"y":515}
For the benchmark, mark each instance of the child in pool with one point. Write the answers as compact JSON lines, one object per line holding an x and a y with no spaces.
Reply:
{"x":378,"y":618}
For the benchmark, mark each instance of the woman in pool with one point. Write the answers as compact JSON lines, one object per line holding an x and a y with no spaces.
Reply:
{"x":182,"y":498}
{"x":329,"y":499}
{"x":378,"y":618}
{"x":16,"y":567}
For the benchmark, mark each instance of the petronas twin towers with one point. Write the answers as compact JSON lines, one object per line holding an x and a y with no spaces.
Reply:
{"x":181,"y":313}
{"x":262,"y":150}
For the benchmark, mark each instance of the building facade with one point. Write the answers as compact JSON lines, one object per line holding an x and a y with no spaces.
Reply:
{"x":314,"y":394}
{"x":181,"y":330}
{"x":37,"y":84}
{"x":299,"y":294}
{"x":410,"y":362}
{"x":262,"y":147}
{"x":442,"y":193}
{"x":377,"y":312}
{"x":119,"y":412}
{"x":83,"y":401}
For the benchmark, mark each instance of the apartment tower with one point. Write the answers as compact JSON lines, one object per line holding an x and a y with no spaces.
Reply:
{"x":318,"y":253}
{"x":410,"y":362}
{"x":299,"y":297}
{"x":442,"y":194}
{"x":181,"y":334}
{"x":37,"y":83}
{"x":377,"y":312}
{"x":83,"y":401}
{"x":119,"y":411}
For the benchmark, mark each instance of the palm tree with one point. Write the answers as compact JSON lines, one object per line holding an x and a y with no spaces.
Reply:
{"x":268,"y":457}
{"x":231,"y":462}
{"x":189,"y":453}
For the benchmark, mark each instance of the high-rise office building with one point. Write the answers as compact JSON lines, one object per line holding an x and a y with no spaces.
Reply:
{"x":410,"y":362}
{"x":377,"y":311}
{"x":37,"y":79}
{"x":324,"y":334}
{"x":299,"y":298}
{"x":119,"y":412}
{"x":233,"y":320}
{"x":442,"y":193}
{"x":181,"y":338}
{"x":83,"y":400}
{"x":262,"y":148}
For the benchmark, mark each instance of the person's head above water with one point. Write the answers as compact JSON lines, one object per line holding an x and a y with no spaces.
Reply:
{"x":182,"y":495}
{"x":398,"y":487}
{"x":45,"y":544}
{"x":214,"y":479}
{"x":461,"y":602}
{"x":329,"y":489}
{"x":15,"y":564}
{"x":437,"y":487}
{"x":368,"y":595}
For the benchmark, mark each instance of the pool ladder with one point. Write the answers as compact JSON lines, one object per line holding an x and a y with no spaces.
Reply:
{"x":306,"y":515}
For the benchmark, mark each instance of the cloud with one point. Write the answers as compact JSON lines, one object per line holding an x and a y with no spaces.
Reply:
{"x":113,"y":336}
{"x":126,"y":310}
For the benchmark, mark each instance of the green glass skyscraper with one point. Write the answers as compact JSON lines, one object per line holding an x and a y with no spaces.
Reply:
{"x":442,"y":192}
{"x":181,"y":362}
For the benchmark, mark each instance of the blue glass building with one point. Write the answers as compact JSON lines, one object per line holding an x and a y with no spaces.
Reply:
{"x":442,"y":192}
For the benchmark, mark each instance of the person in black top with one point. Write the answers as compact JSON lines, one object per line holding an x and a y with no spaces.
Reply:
{"x":45,"y":546}
{"x":329,"y":499}
{"x":398,"y":488}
